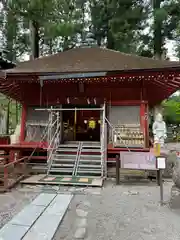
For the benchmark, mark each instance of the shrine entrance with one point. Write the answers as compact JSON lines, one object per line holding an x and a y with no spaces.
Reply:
{"x":77,"y":121}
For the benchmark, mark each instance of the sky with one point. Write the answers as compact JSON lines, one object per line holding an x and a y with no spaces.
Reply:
{"x":171,"y":53}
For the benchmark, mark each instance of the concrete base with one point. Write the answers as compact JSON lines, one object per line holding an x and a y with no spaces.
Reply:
{"x":175,"y":198}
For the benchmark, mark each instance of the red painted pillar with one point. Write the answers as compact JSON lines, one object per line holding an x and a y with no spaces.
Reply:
{"x":142,"y":116}
{"x":144,"y":122}
{"x":23,"y":123}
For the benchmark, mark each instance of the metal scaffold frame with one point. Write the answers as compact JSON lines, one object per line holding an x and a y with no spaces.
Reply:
{"x":52,"y":147}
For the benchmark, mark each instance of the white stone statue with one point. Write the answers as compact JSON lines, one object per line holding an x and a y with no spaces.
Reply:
{"x":159,"y":130}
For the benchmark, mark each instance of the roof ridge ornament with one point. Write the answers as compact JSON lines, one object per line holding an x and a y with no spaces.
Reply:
{"x":88,"y":39}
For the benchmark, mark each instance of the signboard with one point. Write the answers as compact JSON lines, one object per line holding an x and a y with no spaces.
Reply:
{"x":138,"y":160}
{"x":161,"y":162}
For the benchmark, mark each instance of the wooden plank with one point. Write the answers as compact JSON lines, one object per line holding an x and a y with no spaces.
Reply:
{"x":36,"y":179}
{"x":58,"y":205}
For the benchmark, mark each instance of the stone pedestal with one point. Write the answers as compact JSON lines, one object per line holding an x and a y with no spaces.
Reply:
{"x":176,"y":173}
{"x":176,"y":177}
{"x":175,"y":197}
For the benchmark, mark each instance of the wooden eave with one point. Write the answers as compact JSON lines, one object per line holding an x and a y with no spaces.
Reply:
{"x":157,"y":83}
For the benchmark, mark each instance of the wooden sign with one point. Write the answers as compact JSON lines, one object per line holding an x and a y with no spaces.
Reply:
{"x":138,"y":160}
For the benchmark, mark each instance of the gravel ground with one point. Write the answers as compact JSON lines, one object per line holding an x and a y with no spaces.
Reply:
{"x":12,"y":202}
{"x":120,"y":212}
{"x":128,"y":212}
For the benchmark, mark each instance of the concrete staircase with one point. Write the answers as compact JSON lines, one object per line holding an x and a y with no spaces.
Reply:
{"x":77,"y":159}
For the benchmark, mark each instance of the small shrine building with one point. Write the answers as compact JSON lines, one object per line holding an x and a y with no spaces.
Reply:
{"x":107,"y":86}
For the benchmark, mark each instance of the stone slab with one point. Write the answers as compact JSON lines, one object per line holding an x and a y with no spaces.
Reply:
{"x":47,"y":224}
{"x":59,"y":205}
{"x":28,"y":215}
{"x":13,"y":232}
{"x":43,"y":199}
{"x":44,"y":228}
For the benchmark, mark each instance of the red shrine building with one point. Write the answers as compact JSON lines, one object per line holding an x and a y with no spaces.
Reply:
{"x":62,"y":93}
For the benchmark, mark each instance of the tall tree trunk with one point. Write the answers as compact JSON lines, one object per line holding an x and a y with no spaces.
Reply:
{"x":34,"y":39}
{"x":110,"y":40}
{"x":99,"y":41}
{"x":10,"y":35}
{"x":158,"y":38}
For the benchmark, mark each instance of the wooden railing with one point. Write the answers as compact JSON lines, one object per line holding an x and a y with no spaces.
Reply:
{"x":11,"y":173}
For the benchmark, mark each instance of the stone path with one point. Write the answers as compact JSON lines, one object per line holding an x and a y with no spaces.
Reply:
{"x":38,"y":220}
{"x":114,"y":212}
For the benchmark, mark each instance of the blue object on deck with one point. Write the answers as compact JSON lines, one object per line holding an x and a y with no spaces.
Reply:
{"x":39,"y":220}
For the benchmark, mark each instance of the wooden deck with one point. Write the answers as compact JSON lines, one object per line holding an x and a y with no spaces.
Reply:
{"x":42,"y":179}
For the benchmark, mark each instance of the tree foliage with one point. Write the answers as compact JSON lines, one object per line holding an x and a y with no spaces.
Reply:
{"x":172,"y":110}
{"x":131,"y":26}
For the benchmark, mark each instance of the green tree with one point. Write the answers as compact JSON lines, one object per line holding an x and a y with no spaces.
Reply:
{"x":118,"y":22}
{"x":172,"y":110}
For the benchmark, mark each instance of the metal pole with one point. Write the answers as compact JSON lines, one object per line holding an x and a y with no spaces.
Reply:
{"x":75,"y":122}
{"x":7,"y":119}
{"x":158,"y":177}
{"x":69,"y":109}
{"x":161,"y":186}
{"x":50,"y":127}
{"x":17,"y":118}
{"x":57,"y":126}
{"x":117,"y":170}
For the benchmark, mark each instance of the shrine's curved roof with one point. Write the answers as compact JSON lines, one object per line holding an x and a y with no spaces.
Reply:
{"x":90,"y":60}
{"x":111,"y":73}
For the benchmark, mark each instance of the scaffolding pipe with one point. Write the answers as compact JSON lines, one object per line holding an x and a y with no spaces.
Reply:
{"x":69,"y":109}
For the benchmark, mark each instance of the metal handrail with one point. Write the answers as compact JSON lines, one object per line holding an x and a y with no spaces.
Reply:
{"x":77,"y":154}
{"x":53,"y":136}
{"x":80,"y":146}
{"x":50,"y":159}
{"x":102,"y":142}
{"x":53,"y":140}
